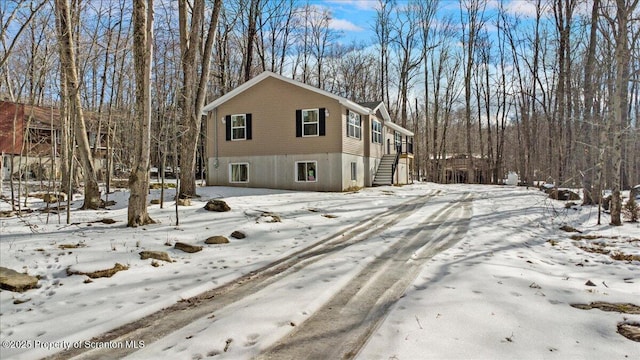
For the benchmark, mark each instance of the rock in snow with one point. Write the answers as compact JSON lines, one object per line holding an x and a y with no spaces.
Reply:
{"x":218,"y":239}
{"x":158,"y":255}
{"x":238,"y":234}
{"x":98,"y":273}
{"x":217,"y":205}
{"x":14,"y":281}
{"x":187,"y":247}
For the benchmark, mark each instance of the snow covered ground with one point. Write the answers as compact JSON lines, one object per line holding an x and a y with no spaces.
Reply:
{"x":502,"y":291}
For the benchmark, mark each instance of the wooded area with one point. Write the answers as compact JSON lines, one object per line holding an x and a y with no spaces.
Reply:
{"x":552,"y":94}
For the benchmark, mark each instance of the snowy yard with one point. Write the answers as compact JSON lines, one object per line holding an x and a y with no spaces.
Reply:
{"x":503,"y":289}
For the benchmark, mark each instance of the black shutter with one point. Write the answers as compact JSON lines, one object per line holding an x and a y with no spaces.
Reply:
{"x":227,"y":123}
{"x":347,"y":127}
{"x":323,"y":123}
{"x":298,"y":123}
{"x":248,"y":124}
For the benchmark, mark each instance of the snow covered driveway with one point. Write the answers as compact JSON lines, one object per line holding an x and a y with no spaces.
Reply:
{"x":341,"y":326}
{"x":415,"y":272}
{"x":341,"y":292}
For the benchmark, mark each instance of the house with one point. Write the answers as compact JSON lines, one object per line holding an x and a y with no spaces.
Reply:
{"x":460,"y":168}
{"x":275,"y":132}
{"x":31,"y":134}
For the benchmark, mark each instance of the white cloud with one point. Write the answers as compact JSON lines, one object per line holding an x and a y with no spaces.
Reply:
{"x":359,"y":4}
{"x":525,"y":8}
{"x":344,"y":25}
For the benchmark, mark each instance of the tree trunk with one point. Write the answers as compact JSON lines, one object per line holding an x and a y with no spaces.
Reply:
{"x":143,"y":53}
{"x":474,"y":10}
{"x":383,"y":29}
{"x":193,"y":90}
{"x":68,"y":65}
{"x":254,"y":8}
{"x":619,"y":102}
{"x":587,"y":177}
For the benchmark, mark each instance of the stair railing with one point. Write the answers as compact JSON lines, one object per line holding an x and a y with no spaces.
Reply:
{"x":395,"y":165}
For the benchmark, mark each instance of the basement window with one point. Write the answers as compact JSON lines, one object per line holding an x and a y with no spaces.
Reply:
{"x":306,"y":171}
{"x":239,"y":173}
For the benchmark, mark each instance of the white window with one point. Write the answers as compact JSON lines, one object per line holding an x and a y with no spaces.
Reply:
{"x":238,"y":127}
{"x":239,"y":173}
{"x":398,"y":141}
{"x":306,"y":171}
{"x":310,"y":122}
{"x":354,"y":171}
{"x":376,"y":132}
{"x":353,"y":125}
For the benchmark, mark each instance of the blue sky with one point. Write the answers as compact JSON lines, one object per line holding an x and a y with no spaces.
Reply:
{"x":355,"y":18}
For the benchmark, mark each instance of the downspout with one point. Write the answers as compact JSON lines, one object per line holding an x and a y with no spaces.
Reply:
{"x":215,"y":140}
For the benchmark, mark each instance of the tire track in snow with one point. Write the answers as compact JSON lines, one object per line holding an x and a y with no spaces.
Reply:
{"x":157,"y":325}
{"x":341,"y":327}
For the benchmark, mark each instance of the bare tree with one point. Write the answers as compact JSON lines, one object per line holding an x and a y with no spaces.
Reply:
{"x":252,"y":31}
{"x":483,"y":85}
{"x":427,"y":11}
{"x":276,"y":27}
{"x":445,"y":65}
{"x":406,"y":41}
{"x":69,"y":68}
{"x":196,"y":60}
{"x":501,"y":107}
{"x":321,"y":39}
{"x":383,"y":34}
{"x":624,"y":10}
{"x":563,"y":11}
{"x":7,"y":15}
{"x":355,"y":73}
{"x":529,"y":91}
{"x":589,"y":109}
{"x":143,"y":53}
{"x":472,"y":13}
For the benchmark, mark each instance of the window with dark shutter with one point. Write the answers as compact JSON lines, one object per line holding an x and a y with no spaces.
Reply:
{"x":227,"y":124}
{"x":248,"y":125}
{"x":308,"y":122}
{"x":238,"y":127}
{"x":323,"y":123}
{"x":298,"y":123}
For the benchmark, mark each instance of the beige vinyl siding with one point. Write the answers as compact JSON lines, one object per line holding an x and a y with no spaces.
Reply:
{"x":274,"y":149}
{"x":350,"y":145}
{"x":273,"y":104}
{"x":374,"y":150}
{"x":388,"y":136}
